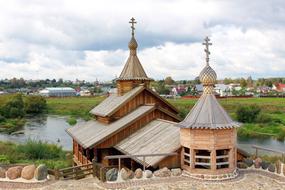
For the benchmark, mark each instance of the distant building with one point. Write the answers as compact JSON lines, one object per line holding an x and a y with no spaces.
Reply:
{"x":223,"y":89}
{"x":85,"y":92}
{"x":58,"y":92}
{"x":279,"y":87}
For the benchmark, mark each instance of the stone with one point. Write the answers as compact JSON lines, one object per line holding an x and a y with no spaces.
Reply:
{"x":28,"y":172}
{"x":164,"y":172}
{"x":41,"y":172}
{"x":14,"y":172}
{"x":264,"y":165}
{"x":112,"y":174}
{"x":176,"y":172}
{"x":248,"y":162}
{"x":241,"y":165}
{"x":138,"y":173}
{"x":278,"y":165}
{"x":148,"y":173}
{"x":271,"y":168}
{"x":257,"y":162}
{"x":2,"y":173}
{"x":126,"y":174}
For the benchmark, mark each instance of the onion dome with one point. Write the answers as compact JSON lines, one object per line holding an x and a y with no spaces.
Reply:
{"x":133,"y":45}
{"x":208,"y":76}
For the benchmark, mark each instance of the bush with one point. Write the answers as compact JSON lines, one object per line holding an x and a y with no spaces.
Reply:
{"x":2,"y":118}
{"x":4,"y":159}
{"x":71,"y":121}
{"x":35,"y":104}
{"x":247,"y":114}
{"x":263,"y":118}
{"x":14,"y":108}
{"x":40,"y":150}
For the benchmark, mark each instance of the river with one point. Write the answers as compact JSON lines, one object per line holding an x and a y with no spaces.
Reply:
{"x":52,"y":129}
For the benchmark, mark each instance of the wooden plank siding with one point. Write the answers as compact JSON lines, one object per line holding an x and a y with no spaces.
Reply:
{"x":171,"y":161}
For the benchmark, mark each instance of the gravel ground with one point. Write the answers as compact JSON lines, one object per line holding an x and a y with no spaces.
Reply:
{"x":247,"y":181}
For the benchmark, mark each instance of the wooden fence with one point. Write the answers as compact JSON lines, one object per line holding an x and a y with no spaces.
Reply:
{"x":257,"y":148}
{"x":75,"y":172}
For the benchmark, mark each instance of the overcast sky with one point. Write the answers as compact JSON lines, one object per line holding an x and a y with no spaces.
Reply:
{"x":87,"y":39}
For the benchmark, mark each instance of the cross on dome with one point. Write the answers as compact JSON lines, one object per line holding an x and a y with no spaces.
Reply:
{"x":133,"y":22}
{"x":207,"y":44}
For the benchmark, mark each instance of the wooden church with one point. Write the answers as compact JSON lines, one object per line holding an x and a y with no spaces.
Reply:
{"x":135,"y":120}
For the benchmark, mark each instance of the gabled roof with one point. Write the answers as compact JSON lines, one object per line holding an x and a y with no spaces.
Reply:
{"x":208,"y":114}
{"x":111,"y":104}
{"x":158,"y":136}
{"x":93,"y":132}
{"x":114,"y":102}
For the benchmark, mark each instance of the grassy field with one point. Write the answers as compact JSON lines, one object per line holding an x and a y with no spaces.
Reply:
{"x":274,"y":108}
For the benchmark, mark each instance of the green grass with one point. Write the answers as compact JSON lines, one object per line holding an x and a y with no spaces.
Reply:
{"x":36,"y":152}
{"x":11,"y":125}
{"x":71,"y":120}
{"x":73,"y":106}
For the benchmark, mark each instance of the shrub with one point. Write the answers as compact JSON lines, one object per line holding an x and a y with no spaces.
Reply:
{"x":247,"y":114}
{"x":4,"y":159}
{"x":71,"y":121}
{"x":263,"y":118}
{"x":35,"y":104}
{"x":40,"y":150}
{"x":281,"y":135}
{"x":2,"y":118}
{"x":14,"y":108}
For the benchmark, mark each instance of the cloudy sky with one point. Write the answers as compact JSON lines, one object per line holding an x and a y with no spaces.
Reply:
{"x":87,"y":39}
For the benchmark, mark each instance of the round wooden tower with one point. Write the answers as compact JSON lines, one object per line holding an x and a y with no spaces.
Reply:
{"x":208,"y":134}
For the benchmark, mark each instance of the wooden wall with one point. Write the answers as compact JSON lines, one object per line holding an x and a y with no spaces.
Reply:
{"x":171,"y":161}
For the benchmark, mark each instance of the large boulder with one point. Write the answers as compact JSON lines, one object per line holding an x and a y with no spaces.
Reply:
{"x":28,"y":172}
{"x":176,"y":172}
{"x":2,"y":173}
{"x":264,"y":165}
{"x":164,"y":172}
{"x":112,"y":174}
{"x":241,"y":165}
{"x":148,"y":173}
{"x":278,"y":165}
{"x":14,"y":172}
{"x":126,"y":174}
{"x":248,"y":162}
{"x":138,"y":173}
{"x":271,"y":168}
{"x":41,"y":172}
{"x":257,"y":162}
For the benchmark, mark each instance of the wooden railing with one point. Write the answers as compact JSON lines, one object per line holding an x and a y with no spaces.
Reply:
{"x":75,"y":172}
{"x":257,"y":148}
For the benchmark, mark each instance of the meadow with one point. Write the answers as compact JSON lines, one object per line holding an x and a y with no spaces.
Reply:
{"x":270,"y":123}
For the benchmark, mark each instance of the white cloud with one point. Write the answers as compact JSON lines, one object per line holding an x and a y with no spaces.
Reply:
{"x":88,"y":39}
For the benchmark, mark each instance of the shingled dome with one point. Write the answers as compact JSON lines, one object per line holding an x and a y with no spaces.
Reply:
{"x":207,"y":112}
{"x":133,"y":69}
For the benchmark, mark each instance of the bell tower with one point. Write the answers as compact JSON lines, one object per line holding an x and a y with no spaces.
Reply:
{"x":133,"y":73}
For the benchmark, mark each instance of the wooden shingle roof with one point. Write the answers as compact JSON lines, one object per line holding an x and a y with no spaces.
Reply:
{"x":114,"y":102}
{"x":158,"y":136}
{"x":93,"y":132}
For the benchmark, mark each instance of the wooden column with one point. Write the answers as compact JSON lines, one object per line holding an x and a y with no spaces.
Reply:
{"x":231,"y":158}
{"x":213,"y":160}
{"x":192,"y":159}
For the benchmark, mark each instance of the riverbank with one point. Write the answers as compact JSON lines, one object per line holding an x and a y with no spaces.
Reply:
{"x":274,"y":108}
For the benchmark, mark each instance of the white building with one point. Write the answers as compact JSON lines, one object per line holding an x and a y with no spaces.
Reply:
{"x":223,"y":89}
{"x":58,"y":92}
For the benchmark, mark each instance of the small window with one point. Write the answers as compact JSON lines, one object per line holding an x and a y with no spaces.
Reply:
{"x":203,"y":159}
{"x":187,"y":157}
{"x":222,"y":158}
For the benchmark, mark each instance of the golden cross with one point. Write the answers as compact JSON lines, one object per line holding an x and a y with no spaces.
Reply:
{"x":133,"y":22}
{"x":207,"y":44}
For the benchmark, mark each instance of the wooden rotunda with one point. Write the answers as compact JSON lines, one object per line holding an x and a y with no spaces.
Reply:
{"x":208,"y":134}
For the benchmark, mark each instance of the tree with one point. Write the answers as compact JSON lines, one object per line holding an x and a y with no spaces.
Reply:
{"x":243,"y":82}
{"x":249,"y":82}
{"x":168,"y":80}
